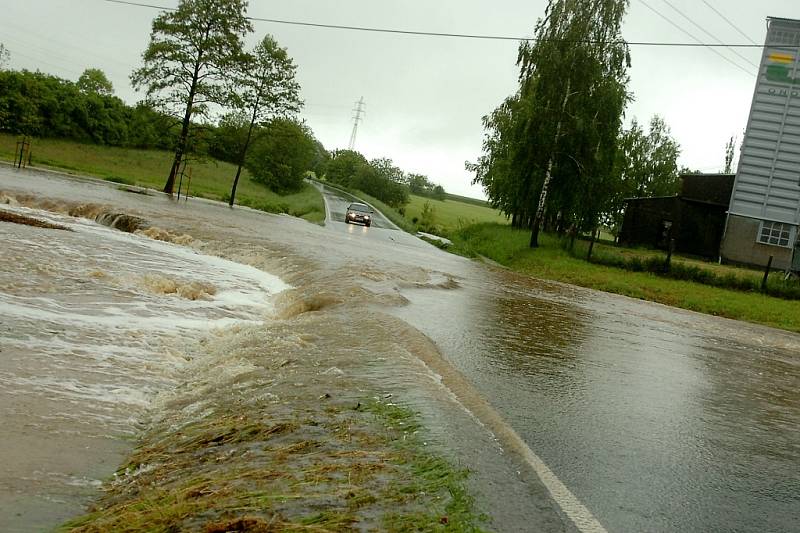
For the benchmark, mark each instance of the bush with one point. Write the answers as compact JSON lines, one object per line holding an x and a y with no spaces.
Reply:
{"x":282,"y":155}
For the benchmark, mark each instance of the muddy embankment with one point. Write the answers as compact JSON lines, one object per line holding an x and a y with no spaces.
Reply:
{"x":293,"y":423}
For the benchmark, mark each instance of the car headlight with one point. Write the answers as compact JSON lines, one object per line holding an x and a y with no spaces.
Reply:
{"x":366,"y":217}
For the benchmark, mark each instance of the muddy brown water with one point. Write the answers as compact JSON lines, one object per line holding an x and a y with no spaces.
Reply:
{"x":638,"y":417}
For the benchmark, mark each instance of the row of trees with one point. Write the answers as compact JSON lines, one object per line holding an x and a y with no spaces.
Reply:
{"x":195,"y":65}
{"x":379,"y":178}
{"x":33,"y":103}
{"x":41,"y":105}
{"x":555,"y":151}
{"x":280,"y":150}
{"x":195,"y":68}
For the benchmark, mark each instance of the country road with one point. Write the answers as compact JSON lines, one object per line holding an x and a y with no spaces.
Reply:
{"x":575,"y":410}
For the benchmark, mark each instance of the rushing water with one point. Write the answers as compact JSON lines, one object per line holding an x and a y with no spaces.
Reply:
{"x":93,"y":322}
{"x":650,"y":418}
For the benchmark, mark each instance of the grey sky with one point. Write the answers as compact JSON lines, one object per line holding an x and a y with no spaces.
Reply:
{"x":425,"y":96}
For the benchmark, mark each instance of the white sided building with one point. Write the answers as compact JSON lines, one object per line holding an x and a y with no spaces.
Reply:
{"x":764,"y":213}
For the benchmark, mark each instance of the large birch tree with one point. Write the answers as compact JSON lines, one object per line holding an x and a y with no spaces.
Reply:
{"x":550,"y":147}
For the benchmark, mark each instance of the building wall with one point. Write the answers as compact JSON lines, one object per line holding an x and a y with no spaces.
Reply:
{"x":739,"y":245}
{"x":642,"y":224}
{"x":700,"y":228}
{"x":766,"y":180}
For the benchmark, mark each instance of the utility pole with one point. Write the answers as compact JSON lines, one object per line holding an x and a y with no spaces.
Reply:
{"x":359,"y":111}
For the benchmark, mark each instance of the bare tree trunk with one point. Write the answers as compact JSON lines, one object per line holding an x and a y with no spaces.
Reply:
{"x":243,"y":155}
{"x":537,"y":220}
{"x":187,"y":121}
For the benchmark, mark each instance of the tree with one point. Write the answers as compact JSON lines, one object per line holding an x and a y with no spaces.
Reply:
{"x":730,"y":149}
{"x":321,"y":160}
{"x":549,"y":148}
{"x":282,"y":154}
{"x":192,"y":51}
{"x":344,"y":166}
{"x":5,"y":56}
{"x":646,"y":166}
{"x":229,"y":136}
{"x":388,"y":170}
{"x":264,"y":88}
{"x":94,"y":81}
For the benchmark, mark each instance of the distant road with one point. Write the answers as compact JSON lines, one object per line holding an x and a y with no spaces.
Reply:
{"x":336,"y":203}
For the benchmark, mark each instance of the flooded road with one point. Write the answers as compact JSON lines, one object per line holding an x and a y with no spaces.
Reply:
{"x":656,"y":419}
{"x":336,"y":202}
{"x":651,"y":418}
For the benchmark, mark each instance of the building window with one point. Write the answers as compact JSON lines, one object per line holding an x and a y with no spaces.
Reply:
{"x":775,"y":233}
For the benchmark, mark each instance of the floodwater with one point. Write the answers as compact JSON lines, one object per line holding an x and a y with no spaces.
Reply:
{"x":575,"y":409}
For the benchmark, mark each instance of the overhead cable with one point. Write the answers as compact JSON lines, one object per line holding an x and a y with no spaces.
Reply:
{"x":452,"y":35}
{"x":698,"y":26}
{"x":654,"y":10}
{"x":726,"y":19}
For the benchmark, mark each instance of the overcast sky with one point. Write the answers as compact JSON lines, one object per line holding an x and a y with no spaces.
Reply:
{"x":425,"y":96}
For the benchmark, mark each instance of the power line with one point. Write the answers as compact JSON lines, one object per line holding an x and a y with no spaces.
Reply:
{"x":654,"y":10}
{"x":734,"y":26}
{"x":454,"y":35}
{"x":696,"y":25}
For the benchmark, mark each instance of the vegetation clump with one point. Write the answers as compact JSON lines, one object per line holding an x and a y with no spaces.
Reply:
{"x":364,"y":466}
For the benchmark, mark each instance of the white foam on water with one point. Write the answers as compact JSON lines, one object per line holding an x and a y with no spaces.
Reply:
{"x":80,"y":325}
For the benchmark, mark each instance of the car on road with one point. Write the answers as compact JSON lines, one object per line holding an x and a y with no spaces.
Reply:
{"x":361,"y":213}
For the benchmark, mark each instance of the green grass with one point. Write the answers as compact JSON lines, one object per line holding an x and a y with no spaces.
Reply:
{"x":429,"y":474}
{"x":509,"y":247}
{"x":373,"y":461}
{"x":450,"y":215}
{"x":149,"y":168}
{"x":691,"y":269}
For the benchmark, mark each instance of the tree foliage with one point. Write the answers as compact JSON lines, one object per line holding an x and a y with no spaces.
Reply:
{"x":730,"y":152}
{"x":422,"y":186}
{"x":283,"y":152}
{"x":264,"y":88}
{"x":344,"y":166}
{"x":646,"y":166}
{"x":33,"y":103}
{"x":379,"y":178}
{"x":553,"y":143}
{"x":191,"y":53}
{"x":5,"y":56}
{"x":94,"y":81}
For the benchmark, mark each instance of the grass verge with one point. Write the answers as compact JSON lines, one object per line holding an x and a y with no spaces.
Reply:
{"x":509,"y":247}
{"x":149,"y":168}
{"x":363,"y":466}
{"x":451,"y":215}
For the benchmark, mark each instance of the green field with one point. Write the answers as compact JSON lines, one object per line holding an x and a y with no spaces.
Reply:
{"x":509,"y":247}
{"x":451,"y":215}
{"x":149,"y":168}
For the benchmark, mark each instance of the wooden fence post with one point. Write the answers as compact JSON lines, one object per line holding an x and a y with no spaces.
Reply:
{"x":670,"y":249}
{"x":766,"y":275}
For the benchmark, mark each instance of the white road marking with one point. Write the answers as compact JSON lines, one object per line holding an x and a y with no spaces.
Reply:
{"x":466,"y":394}
{"x":581,"y":516}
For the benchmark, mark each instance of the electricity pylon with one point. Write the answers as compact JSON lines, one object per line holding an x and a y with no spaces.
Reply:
{"x":359,"y":111}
